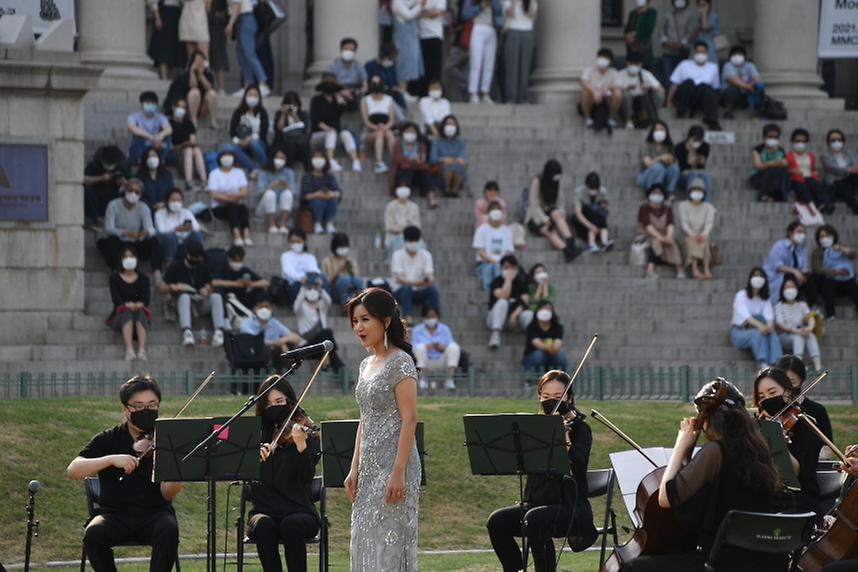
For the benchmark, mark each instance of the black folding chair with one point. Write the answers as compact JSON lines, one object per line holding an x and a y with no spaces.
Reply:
{"x":318,"y":496}
{"x":92,"y":488}
{"x":763,"y":532}
{"x":830,"y":483}
{"x":600,"y":482}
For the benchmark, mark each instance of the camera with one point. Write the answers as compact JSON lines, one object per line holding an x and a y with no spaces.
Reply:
{"x":117,"y":174}
{"x":291,"y":107}
{"x":187,"y":222}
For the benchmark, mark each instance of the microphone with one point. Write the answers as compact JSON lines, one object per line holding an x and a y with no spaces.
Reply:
{"x":34,"y":487}
{"x":307,"y":351}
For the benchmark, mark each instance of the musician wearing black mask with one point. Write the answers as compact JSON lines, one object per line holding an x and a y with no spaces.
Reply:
{"x":556,"y":505}
{"x":132,"y":507}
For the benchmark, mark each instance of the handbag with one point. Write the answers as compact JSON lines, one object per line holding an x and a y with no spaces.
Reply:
{"x":304,"y":220}
{"x":638,"y":252}
{"x":246,"y":351}
{"x":772,"y":109}
{"x":643,"y":111}
{"x":808,"y":214}
{"x":465,"y":35}
{"x":278,"y":290}
{"x":715,"y":258}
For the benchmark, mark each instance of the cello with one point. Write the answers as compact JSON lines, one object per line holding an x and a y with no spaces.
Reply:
{"x":659,"y":531}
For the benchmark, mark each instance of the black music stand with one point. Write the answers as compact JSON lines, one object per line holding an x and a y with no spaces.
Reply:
{"x":773,"y":433}
{"x":517,"y":444}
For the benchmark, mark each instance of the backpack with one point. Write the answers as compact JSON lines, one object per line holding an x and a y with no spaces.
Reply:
{"x":246,"y":351}
{"x":772,"y":109}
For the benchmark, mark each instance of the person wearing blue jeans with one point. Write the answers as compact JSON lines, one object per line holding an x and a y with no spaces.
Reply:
{"x":658,"y":161}
{"x":414,"y":274}
{"x":149,"y":129}
{"x":341,"y":270}
{"x":492,"y":241}
{"x":753,"y":320}
{"x":244,"y":22}
{"x":248,"y":130}
{"x":542,"y":349}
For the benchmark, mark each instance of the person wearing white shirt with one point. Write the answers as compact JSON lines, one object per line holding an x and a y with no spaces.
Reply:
{"x":433,"y":109}
{"x":753,"y":320}
{"x":518,"y":46}
{"x":430,"y":26}
{"x":296,"y":263}
{"x":492,"y":241}
{"x":227,"y":187}
{"x":601,"y":87}
{"x":413,"y":275}
{"x":311,"y":309}
{"x":693,"y":86}
{"x":176,"y":225}
{"x":636,"y":82}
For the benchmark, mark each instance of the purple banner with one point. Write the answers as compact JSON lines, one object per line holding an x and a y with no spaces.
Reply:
{"x":23,"y":182}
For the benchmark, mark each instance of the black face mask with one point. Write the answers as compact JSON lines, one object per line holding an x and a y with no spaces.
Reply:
{"x":144,"y":419}
{"x":773,"y":405}
{"x":549,"y":405}
{"x":376,"y":87}
{"x":276,"y":414}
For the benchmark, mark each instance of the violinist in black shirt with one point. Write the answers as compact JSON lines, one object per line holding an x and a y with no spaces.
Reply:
{"x":556,"y":505}
{"x":283,"y":509}
{"x":797,"y":374}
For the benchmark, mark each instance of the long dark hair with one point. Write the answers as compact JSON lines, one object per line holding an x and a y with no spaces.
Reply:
{"x":779,"y":376}
{"x":792,"y":363}
{"x":243,"y":107}
{"x":143,"y":169}
{"x":269,"y":164}
{"x":556,"y":375}
{"x":667,"y":140}
{"x":282,"y":386}
{"x":764,"y":291}
{"x":548,"y":187}
{"x":380,"y":304}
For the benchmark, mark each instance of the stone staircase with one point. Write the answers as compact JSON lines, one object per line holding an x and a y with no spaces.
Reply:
{"x":667,"y":322}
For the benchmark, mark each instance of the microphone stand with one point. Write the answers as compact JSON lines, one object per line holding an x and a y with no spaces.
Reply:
{"x":32,"y":529}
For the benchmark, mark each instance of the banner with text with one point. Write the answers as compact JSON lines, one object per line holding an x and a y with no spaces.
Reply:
{"x":838,"y":29}
{"x":42,"y":13}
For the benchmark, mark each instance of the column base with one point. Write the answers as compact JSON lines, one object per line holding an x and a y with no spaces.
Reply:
{"x":556,"y":86}
{"x":120,"y":65}
{"x":794,"y":85}
{"x":314,"y":73}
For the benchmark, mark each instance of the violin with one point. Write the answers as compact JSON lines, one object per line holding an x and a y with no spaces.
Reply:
{"x":143,"y":445}
{"x":298,"y":417}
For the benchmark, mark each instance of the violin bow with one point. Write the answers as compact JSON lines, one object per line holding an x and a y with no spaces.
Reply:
{"x":273,"y":444}
{"x":601,"y":418}
{"x":577,"y":370}
{"x":823,"y":438}
{"x":800,"y":395}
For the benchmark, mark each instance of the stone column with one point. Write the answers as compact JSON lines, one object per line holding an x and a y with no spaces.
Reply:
{"x":113,"y":36}
{"x":568,"y":35}
{"x":334,"y":20}
{"x":785,"y":43}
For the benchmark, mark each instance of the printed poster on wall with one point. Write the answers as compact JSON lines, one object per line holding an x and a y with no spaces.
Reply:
{"x":23,"y":182}
{"x":838,"y":29}
{"x":42,"y":13}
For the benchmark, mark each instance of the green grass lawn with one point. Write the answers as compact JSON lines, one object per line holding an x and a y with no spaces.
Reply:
{"x":42,"y":436}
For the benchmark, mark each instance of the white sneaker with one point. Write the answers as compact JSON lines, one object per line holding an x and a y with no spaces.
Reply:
{"x":422,"y":384}
{"x":474,"y":98}
{"x":589,"y":122}
{"x":629,"y":125}
{"x":217,"y":339}
{"x":318,"y":228}
{"x":264,"y":90}
{"x":380,"y":167}
{"x":487,"y":100}
{"x":330,"y":228}
{"x":273,"y":230}
{"x":607,"y":245}
{"x":335,"y":166}
{"x":593,"y":247}
{"x":188,"y":338}
{"x":284,"y":230}
{"x":238,"y":242}
{"x":248,"y":242}
{"x":238,"y":93}
{"x":495,"y":340}
{"x":356,"y":166}
{"x":450,"y":384}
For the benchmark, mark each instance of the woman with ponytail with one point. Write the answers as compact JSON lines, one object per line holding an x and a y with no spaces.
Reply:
{"x":384,"y":480}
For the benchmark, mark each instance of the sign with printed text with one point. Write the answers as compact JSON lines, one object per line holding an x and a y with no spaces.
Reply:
{"x":23,"y":182}
{"x":720,"y":137}
{"x":838,"y":29}
{"x":42,"y":13}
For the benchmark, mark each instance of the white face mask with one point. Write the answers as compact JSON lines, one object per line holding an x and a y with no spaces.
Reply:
{"x":251,"y":101}
{"x":697,"y":195}
{"x":175,"y":206}
{"x":540,"y":277}
{"x":236,"y":266}
{"x":556,"y":178}
{"x":701,"y":58}
{"x":695,"y":144}
{"x":263,"y":314}
{"x":227,"y":161}
{"x":387,"y":64}
{"x":279,"y":164}
{"x":836,"y":146}
{"x":435,"y":93}
{"x":132,"y":198}
{"x":409,"y":137}
{"x":656,"y":198}
{"x":431,"y":322}
{"x":658,"y":136}
{"x":495,"y":215}
{"x":412,"y":247}
{"x":153,"y":162}
{"x":342,"y":251}
{"x":311,"y":295}
{"x":297,"y":247}
{"x":799,"y":237}
{"x":680,"y":4}
{"x":602,"y":63}
{"x":403,"y":192}
{"x":757,"y":282}
{"x":800,"y":146}
{"x":544,"y":315}
{"x":826,"y":242}
{"x":129,"y":263}
{"x":640,"y":3}
{"x":179,"y":113}
{"x":738,"y":60}
{"x":318,"y":163}
{"x":771,"y":142}
{"x":633,"y":70}
{"x":450,"y":130}
{"x":790,"y":294}
{"x":347,"y":55}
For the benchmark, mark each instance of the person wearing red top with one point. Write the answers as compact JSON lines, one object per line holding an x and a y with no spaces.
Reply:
{"x":804,"y":179}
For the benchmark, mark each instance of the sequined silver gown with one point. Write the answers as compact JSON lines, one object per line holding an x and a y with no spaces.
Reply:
{"x":384,"y":537}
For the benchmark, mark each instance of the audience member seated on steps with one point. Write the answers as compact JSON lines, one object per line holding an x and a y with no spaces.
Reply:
{"x":693,"y":87}
{"x":325,"y":111}
{"x":278,"y":338}
{"x":434,"y":108}
{"x":189,"y":281}
{"x":770,"y":171}
{"x":129,"y":291}
{"x":638,"y":82}
{"x":692,"y":155}
{"x":103,"y":177}
{"x":248,"y":132}
{"x":292,"y":130}
{"x":185,"y":153}
{"x":176,"y":226}
{"x":601,"y":92}
{"x":655,"y":221}
{"x":546,"y":212}
{"x":658,"y":163}
{"x":228,"y":189}
{"x":840,"y":170}
{"x":148,"y":128}
{"x":753,"y":320}
{"x":349,"y":73}
{"x":742,"y":84}
{"x":399,"y":213}
{"x":832,"y":265}
{"x":679,"y":27}
{"x":409,"y":162}
{"x":492,"y":241}
{"x":238,"y":279}
{"x":296,"y":262}
{"x":128,"y":221}
{"x":413,"y":275}
{"x":491,"y":192}
{"x":796,"y":324}
{"x":376,"y":111}
{"x":696,"y":219}
{"x":544,"y":340}
{"x":434,"y":348}
{"x":320,"y":193}
{"x":276,"y":189}
{"x":508,"y":301}
{"x":384,"y":66}
{"x":342,"y":271}
{"x":539,"y":287}
{"x":157,"y":180}
{"x":450,"y":157}
{"x":789,"y":256}
{"x":590,"y":213}
{"x":195,"y":86}
{"x":804,"y":179}
{"x":311,"y":308}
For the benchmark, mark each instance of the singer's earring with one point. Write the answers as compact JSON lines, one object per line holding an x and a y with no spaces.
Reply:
{"x":385,"y":339}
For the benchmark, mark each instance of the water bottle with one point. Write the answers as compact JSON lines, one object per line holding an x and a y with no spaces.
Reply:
{"x":204,"y":337}
{"x":377,"y":242}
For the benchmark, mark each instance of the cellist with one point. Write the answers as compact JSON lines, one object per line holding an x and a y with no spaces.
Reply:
{"x":732,"y":471}
{"x":851,"y":564}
